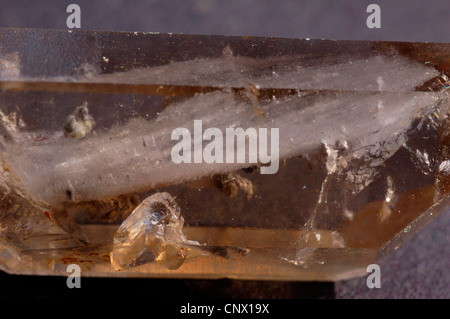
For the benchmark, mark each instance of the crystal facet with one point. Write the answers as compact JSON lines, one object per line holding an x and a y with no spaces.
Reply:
{"x":89,"y":122}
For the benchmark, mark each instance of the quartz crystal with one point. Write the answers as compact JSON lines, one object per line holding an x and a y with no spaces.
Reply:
{"x":88,"y":177}
{"x":153,"y":232}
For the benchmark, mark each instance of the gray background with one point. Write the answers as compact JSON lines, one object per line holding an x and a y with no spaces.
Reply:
{"x":419,"y":268}
{"x":402,"y":20}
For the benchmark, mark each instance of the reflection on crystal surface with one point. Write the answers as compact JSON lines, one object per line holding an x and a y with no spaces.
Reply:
{"x":87,"y":175}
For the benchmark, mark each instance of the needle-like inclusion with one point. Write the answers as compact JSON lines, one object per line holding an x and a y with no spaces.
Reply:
{"x":87,"y":175}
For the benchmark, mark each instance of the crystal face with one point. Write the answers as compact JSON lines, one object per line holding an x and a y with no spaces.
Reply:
{"x":88,"y":174}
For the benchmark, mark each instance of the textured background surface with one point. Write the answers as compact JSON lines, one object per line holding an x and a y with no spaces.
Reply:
{"x":417,"y":270}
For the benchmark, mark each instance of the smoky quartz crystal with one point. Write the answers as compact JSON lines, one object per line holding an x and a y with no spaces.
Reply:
{"x":165,"y":155}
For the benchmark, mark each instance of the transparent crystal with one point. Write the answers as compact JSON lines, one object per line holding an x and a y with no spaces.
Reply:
{"x":87,"y":177}
{"x":152,"y":232}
